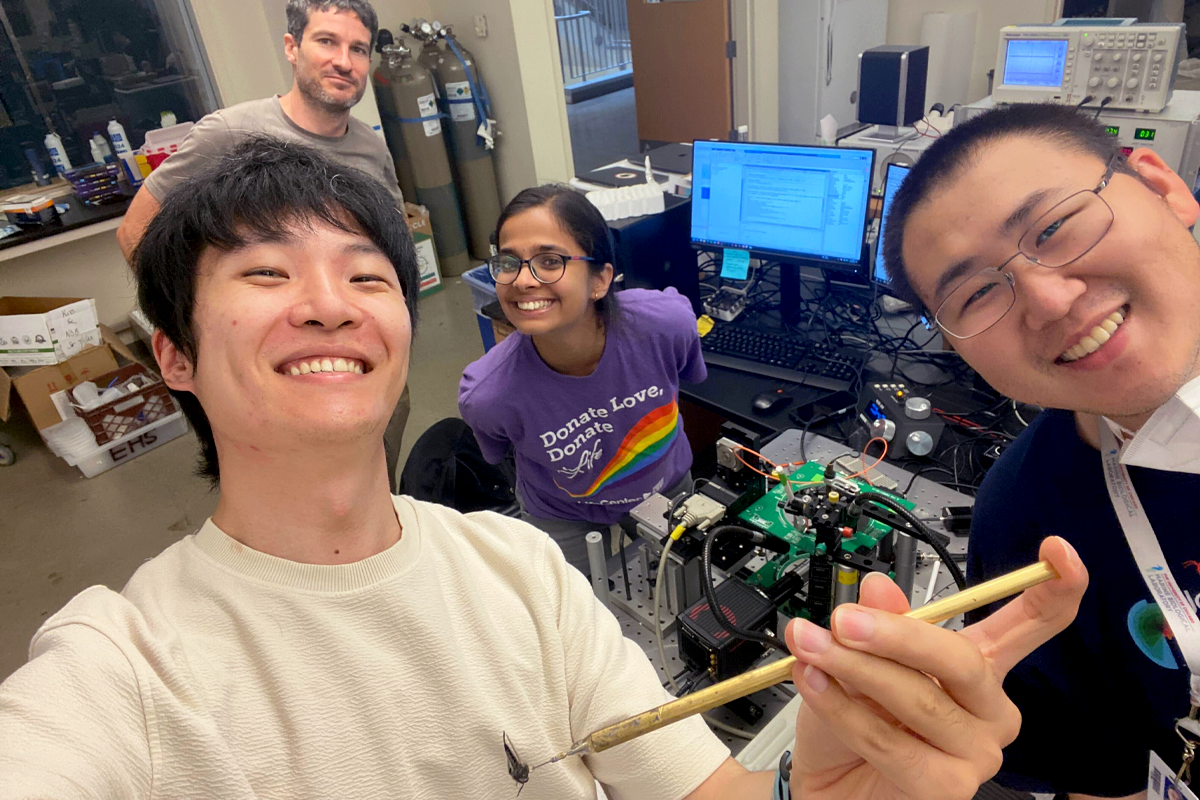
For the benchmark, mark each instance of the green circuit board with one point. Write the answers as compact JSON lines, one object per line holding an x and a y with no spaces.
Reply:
{"x":767,"y":515}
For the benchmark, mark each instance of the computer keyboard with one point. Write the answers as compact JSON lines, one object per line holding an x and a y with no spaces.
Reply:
{"x":783,"y":356}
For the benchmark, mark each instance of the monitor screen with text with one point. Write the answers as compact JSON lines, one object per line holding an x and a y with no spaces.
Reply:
{"x":782,"y":200}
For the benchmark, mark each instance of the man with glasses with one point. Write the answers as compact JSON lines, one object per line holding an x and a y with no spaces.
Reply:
{"x":1066,"y":275}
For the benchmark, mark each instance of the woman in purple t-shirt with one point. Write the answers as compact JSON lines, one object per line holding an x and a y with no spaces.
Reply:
{"x":585,"y":393}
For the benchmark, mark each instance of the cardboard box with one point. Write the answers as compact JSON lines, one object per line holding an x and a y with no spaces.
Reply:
{"x":37,"y":331}
{"x":37,"y":385}
{"x":422,"y":233}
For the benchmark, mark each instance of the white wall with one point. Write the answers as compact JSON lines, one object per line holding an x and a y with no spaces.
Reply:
{"x":904,"y":27}
{"x":242,"y":50}
{"x":89,"y":267}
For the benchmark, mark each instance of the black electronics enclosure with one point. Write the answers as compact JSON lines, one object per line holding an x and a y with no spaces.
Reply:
{"x":705,"y":645}
{"x":891,"y":84}
{"x":655,"y":251}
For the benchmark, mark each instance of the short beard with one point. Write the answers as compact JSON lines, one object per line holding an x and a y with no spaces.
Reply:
{"x":316,"y":94}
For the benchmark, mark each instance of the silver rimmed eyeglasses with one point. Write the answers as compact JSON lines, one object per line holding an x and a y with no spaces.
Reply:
{"x":1065,"y":233}
{"x":544,"y":267}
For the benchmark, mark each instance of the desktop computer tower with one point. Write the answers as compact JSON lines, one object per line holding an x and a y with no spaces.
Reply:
{"x":655,"y":251}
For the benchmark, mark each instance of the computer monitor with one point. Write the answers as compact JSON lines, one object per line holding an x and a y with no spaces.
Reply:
{"x":798,"y":204}
{"x":891,"y":183}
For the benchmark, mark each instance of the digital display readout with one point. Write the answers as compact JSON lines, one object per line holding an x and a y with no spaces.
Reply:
{"x":1144,"y":134}
{"x":1113,"y":130}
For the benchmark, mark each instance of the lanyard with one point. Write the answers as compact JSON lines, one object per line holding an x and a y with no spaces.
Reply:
{"x":1151,"y":562}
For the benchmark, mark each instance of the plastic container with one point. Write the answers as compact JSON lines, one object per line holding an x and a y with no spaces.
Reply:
{"x":483,"y":291}
{"x":483,"y":287}
{"x":161,"y":142}
{"x":58,"y":153}
{"x":106,"y":456}
{"x":115,"y":418}
{"x":28,"y":211}
{"x":628,"y":201}
{"x":101,"y":152}
{"x":96,"y":183}
{"x":120,"y":142}
{"x":69,"y":439}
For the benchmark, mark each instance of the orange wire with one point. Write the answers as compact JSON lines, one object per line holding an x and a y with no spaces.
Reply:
{"x":866,"y":469}
{"x":769,"y":461}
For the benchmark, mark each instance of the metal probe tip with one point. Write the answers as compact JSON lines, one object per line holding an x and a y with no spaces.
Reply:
{"x":576,"y":750}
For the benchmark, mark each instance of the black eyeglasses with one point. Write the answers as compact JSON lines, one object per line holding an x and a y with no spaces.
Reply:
{"x":1065,"y":233}
{"x":544,"y":267}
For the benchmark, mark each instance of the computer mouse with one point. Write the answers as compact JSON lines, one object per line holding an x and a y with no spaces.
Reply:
{"x":770,"y":401}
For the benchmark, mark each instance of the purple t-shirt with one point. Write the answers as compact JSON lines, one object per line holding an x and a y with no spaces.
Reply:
{"x":591,"y":448}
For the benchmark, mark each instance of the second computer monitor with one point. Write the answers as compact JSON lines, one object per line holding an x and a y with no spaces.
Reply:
{"x":793,"y":203}
{"x":891,"y":182}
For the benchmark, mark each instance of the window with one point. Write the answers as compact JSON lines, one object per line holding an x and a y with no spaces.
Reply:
{"x":70,"y":66}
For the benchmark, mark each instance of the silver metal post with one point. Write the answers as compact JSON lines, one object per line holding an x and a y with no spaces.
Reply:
{"x":598,"y":565}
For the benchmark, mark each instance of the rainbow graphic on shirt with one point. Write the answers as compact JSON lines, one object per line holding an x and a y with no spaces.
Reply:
{"x":647,"y":442}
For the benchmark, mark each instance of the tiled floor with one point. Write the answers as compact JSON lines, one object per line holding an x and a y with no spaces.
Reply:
{"x":60,"y":532}
{"x":603,"y":130}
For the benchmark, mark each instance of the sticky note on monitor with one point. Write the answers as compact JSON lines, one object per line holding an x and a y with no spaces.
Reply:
{"x":735,"y":264}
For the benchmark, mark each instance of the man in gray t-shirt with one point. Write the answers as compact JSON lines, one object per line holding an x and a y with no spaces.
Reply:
{"x":329,"y":46}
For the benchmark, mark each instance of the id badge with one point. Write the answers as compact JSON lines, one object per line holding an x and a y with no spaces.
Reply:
{"x":1162,"y":784}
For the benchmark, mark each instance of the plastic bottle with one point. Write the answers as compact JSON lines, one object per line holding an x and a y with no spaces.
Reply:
{"x":38,"y":171}
{"x":101,"y":152}
{"x":58,"y":153}
{"x":120,"y":141}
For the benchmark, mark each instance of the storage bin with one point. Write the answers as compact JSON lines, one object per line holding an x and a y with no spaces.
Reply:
{"x":130,"y":446}
{"x":483,"y":288}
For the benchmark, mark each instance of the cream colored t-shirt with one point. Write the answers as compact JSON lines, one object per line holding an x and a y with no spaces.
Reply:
{"x":221,"y":672}
{"x":219,"y":132}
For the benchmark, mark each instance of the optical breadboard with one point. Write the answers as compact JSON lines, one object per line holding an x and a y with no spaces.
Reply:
{"x":1127,"y":66}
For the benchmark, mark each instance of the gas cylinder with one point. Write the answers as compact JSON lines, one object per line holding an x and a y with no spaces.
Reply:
{"x":413,"y":95}
{"x":458,"y":81}
{"x":390,"y":119}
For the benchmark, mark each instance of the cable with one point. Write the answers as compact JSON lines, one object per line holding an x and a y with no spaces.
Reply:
{"x":863,"y":472}
{"x":658,"y":634}
{"x":922,"y":471}
{"x":1017,"y":414}
{"x":917,"y":530}
{"x":710,"y":592}
{"x":732,"y":731}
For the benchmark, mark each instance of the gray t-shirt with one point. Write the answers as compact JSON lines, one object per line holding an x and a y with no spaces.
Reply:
{"x":219,"y":132}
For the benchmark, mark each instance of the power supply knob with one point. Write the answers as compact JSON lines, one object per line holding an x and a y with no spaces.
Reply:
{"x":1136,"y":56}
{"x":1131,"y":83}
{"x":883,"y":429}
{"x":919,"y":443}
{"x":917,"y":408}
{"x":1116,"y":56}
{"x":1093,"y":82}
{"x":1113,"y":83}
{"x":1158,"y":56}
